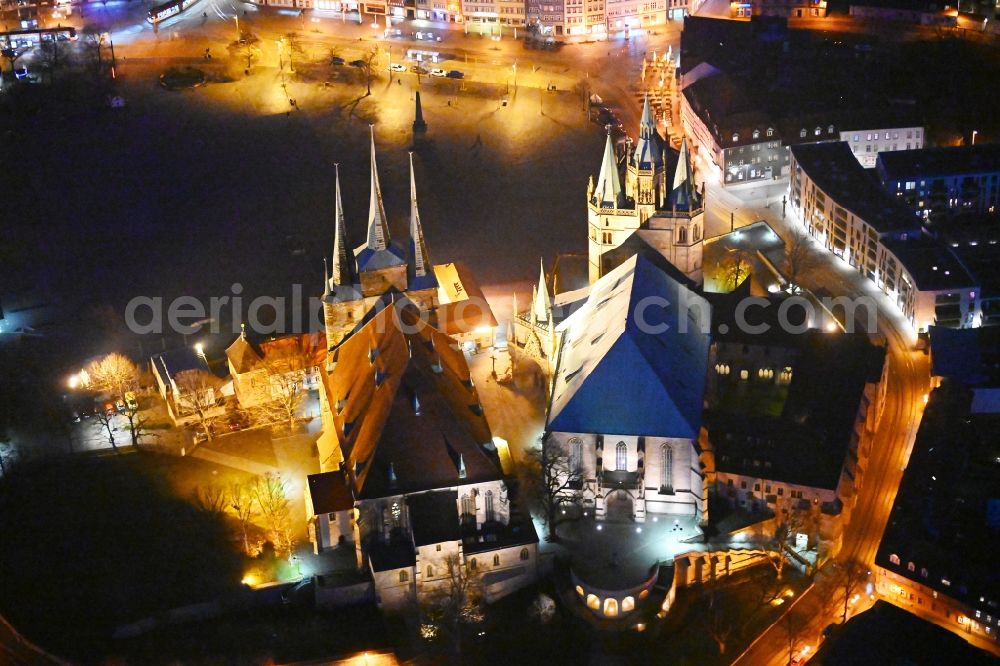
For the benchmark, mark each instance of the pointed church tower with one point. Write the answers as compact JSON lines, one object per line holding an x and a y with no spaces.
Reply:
{"x":343,"y":273}
{"x":378,"y":225}
{"x":541,"y":306}
{"x":683,"y":193}
{"x":608,"y":192}
{"x":381,"y":263}
{"x":420,"y":272}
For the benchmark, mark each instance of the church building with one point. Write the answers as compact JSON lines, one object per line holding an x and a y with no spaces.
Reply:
{"x":420,"y":490}
{"x":653,"y":195}
{"x":627,"y":392}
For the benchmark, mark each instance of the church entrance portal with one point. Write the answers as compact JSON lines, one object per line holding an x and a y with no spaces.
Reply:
{"x":618,"y":507}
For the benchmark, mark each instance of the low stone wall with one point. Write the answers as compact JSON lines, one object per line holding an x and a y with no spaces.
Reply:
{"x":613,"y":603}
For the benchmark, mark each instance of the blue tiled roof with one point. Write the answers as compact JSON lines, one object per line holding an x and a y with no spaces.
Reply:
{"x":646,"y":378}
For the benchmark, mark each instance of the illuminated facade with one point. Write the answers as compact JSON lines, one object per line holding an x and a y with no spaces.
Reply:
{"x":647,"y":198}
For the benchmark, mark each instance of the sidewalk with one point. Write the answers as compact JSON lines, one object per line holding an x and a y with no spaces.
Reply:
{"x":235,"y":462}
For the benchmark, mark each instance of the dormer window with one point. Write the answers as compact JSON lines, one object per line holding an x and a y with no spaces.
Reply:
{"x":817,"y":131}
{"x":736,"y":137}
{"x":379,"y":378}
{"x":770,"y":131}
{"x":372,"y":354}
{"x":756,"y":134}
{"x":829,"y":130}
{"x":341,"y":404}
{"x":802,"y":133}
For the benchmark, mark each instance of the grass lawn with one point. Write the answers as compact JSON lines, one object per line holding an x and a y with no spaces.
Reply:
{"x":253,"y":445}
{"x":89,"y":543}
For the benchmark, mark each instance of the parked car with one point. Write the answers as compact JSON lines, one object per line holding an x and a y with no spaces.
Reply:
{"x":358,"y":63}
{"x":455,"y":74}
{"x":130,"y":400}
{"x":420,"y":69}
{"x":237,"y":422}
{"x":438,"y":72}
{"x":337,"y":60}
{"x":429,"y":36}
{"x":396,"y":67}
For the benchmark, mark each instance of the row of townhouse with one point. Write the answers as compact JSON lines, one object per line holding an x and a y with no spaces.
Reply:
{"x":570,"y":19}
{"x":846,"y":211}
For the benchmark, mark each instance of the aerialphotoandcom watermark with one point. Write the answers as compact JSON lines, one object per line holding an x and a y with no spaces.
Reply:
{"x":653,"y":315}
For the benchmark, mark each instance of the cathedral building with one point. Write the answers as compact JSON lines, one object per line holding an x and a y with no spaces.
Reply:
{"x":648,"y":202}
{"x":419,"y":489}
{"x":653,"y":195}
{"x":360,"y":276}
{"x":625,"y":410}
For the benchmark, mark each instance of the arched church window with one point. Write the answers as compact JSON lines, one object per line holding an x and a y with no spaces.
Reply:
{"x":682,"y":235}
{"x":404,"y":576}
{"x":489,"y":506}
{"x":621,"y":456}
{"x":696,"y":234}
{"x":667,"y":468}
{"x":430,"y":571}
{"x":496,"y":560}
{"x":525,"y":555}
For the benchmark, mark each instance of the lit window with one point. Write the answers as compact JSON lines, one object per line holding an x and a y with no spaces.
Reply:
{"x":756,"y":135}
{"x":628,"y":604}
{"x":610,"y":608}
{"x":736,"y":137}
{"x":593,"y":602}
{"x":621,"y":456}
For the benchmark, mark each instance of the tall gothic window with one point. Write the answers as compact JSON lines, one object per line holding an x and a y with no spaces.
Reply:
{"x":575,"y":454}
{"x":682,"y":235}
{"x":621,"y":456}
{"x":468,"y":506}
{"x":489,"y":506}
{"x":667,"y":468}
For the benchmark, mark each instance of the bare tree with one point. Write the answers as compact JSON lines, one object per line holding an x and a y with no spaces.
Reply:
{"x":550,"y":480}
{"x":793,"y":625}
{"x":800,"y":257}
{"x":286,"y":368}
{"x":199,"y":396}
{"x":105,"y":419}
{"x":115,"y":373}
{"x":848,"y":577}
{"x":295,"y":49}
{"x":371,"y":62}
{"x":242,"y":502}
{"x":210,"y":498}
{"x":52,"y":56}
{"x":11,"y":55}
{"x":270,"y":492}
{"x":721,"y":623}
{"x":735,"y":268}
{"x":457,"y":602}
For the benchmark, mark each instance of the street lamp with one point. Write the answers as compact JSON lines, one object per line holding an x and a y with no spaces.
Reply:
{"x":974,"y":133}
{"x":732,"y":220}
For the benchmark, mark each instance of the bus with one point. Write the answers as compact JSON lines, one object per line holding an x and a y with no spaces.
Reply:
{"x":168,"y":9}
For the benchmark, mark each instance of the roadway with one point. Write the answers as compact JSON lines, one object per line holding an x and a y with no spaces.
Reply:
{"x":908,"y":381}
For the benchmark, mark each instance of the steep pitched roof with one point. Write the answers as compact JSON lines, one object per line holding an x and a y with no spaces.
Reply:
{"x":649,"y":148}
{"x":608,"y":193}
{"x":434,"y":517}
{"x":242,"y":356}
{"x":683,"y":193}
{"x":329,"y":492}
{"x":419,"y":272}
{"x":378,"y":251}
{"x":405,"y":402}
{"x":633,"y":359}
{"x":343,"y":270}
